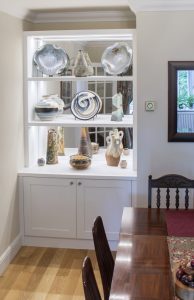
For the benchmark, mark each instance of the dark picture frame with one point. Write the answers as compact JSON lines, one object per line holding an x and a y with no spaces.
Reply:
{"x":173,"y":134}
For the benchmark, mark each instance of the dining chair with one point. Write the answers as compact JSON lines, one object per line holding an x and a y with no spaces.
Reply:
{"x":169,"y":181}
{"x":90,"y":287}
{"x":104,"y":255}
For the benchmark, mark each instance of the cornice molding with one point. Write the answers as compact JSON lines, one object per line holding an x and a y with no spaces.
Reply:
{"x":161,"y":5}
{"x":87,"y":16}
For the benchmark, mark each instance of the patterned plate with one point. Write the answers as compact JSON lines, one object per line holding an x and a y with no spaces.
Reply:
{"x":85,"y":105}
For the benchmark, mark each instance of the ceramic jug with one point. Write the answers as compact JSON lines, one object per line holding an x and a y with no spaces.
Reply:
{"x":52,"y":147}
{"x":81,"y":66}
{"x":115,"y":147}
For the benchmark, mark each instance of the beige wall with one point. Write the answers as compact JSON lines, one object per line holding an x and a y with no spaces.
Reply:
{"x":11,"y":124}
{"x":162,"y":36}
{"x":82,"y":25}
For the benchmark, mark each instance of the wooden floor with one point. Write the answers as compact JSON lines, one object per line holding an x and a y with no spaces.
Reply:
{"x":46,"y":274}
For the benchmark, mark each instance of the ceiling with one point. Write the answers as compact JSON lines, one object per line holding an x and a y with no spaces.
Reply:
{"x":26,"y":8}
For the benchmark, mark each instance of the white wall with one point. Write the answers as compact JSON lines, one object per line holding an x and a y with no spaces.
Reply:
{"x":11,"y":126}
{"x":161,"y":36}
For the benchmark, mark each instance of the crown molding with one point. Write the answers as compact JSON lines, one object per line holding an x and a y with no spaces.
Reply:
{"x":161,"y":5}
{"x":86,"y":16}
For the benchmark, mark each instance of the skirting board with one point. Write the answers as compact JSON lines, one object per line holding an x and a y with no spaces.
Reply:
{"x":62,"y":243}
{"x":9,"y":253}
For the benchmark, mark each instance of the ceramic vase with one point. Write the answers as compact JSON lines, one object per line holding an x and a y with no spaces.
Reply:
{"x":60,"y":141}
{"x":81,"y":66}
{"x":85,"y":147}
{"x":117,"y":108}
{"x":52,"y":147}
{"x":114,"y":148}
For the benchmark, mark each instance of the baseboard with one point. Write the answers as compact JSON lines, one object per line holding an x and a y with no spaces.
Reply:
{"x":63,"y":243}
{"x":9,"y":253}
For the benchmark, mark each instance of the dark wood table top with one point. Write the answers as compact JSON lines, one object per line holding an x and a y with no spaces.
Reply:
{"x":142,"y":266}
{"x":142,"y":221}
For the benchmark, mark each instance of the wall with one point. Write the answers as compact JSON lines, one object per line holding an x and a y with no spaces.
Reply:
{"x":161,"y":36}
{"x":11,"y":124}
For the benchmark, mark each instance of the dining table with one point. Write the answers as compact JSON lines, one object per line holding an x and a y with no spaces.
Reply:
{"x":142,"y":265}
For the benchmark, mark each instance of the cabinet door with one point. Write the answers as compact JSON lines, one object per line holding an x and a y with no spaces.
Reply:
{"x":105,"y":198}
{"x":49,"y":207}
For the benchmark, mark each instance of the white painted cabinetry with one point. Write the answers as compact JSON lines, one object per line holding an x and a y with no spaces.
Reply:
{"x":66,"y":208}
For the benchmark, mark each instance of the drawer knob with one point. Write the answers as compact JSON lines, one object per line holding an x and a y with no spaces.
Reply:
{"x":79,"y":183}
{"x":71,"y":183}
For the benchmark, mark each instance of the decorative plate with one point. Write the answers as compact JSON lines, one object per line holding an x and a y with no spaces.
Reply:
{"x":117,"y":58}
{"x":50,"y":59}
{"x":85,"y":105}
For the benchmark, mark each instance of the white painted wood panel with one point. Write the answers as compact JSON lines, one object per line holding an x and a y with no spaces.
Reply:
{"x":105,"y":198}
{"x":49,"y":207}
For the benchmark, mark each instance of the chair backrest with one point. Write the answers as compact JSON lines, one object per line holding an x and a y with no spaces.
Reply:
{"x":170,"y":181}
{"x":104,"y":255}
{"x":91,"y":290}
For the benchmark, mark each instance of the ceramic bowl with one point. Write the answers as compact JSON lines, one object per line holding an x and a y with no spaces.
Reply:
{"x":51,"y":59}
{"x":117,"y":58}
{"x":46,"y":113}
{"x":80,"y":162}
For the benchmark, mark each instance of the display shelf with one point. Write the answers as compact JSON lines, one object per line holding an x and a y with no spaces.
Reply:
{"x":68,"y":120}
{"x":97,"y":170}
{"x":75,"y":79}
{"x":37,"y":84}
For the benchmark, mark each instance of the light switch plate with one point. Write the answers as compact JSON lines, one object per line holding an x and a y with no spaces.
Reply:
{"x":149,"y":105}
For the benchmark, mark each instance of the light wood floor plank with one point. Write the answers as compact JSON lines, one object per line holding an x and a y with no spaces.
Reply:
{"x":38,"y":273}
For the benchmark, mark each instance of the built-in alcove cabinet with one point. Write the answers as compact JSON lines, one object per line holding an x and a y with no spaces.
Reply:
{"x":59,"y":204}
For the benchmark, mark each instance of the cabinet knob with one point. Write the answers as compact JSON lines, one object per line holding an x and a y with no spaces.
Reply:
{"x":71,"y":182}
{"x":79,"y":183}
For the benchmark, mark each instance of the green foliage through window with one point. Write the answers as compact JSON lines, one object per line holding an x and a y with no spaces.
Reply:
{"x":185,"y":89}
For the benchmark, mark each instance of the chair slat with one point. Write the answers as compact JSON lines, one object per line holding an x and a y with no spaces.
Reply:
{"x":167,"y":198}
{"x":158,"y":198}
{"x":177,"y":198}
{"x":186,"y":198}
